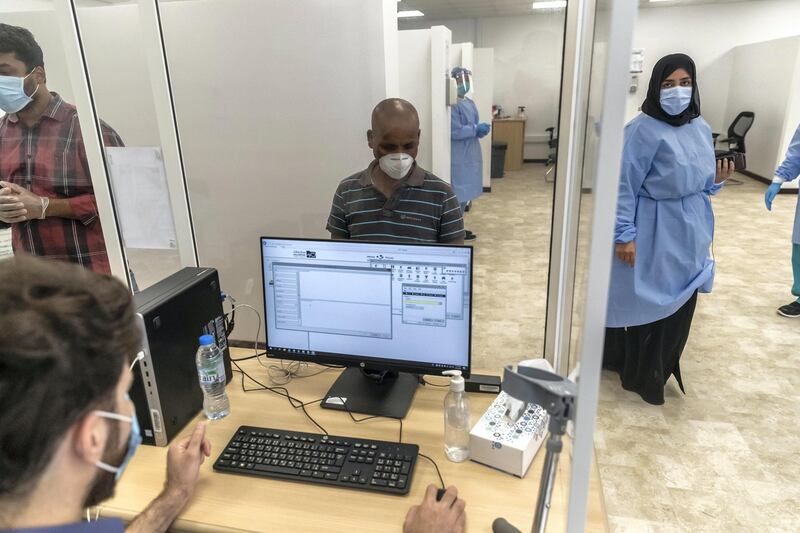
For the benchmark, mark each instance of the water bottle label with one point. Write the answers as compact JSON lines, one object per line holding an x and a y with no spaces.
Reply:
{"x":210,"y":377}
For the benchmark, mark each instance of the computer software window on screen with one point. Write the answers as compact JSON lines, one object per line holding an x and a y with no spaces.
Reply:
{"x":386,"y":301}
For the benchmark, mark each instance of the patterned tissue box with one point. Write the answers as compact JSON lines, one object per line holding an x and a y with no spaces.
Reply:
{"x":497,"y":443}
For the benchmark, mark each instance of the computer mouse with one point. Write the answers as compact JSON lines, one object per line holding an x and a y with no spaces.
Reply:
{"x":439,"y":494}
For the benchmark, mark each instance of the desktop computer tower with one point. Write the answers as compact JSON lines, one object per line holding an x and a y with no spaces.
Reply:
{"x":172,"y":315}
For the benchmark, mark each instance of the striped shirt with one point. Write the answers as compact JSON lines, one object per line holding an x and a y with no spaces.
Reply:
{"x":49,"y":159}
{"x":423,"y":209}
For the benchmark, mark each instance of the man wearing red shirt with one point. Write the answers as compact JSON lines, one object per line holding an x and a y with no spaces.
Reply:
{"x":46,"y":193}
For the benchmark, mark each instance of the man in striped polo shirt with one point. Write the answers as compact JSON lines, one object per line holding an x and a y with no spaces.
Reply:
{"x":395,"y":199}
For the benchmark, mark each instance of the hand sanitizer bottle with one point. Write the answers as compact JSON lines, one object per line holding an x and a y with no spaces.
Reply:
{"x":456,"y":419}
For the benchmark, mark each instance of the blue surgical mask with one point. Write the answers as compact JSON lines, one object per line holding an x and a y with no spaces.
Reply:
{"x":134,"y":440}
{"x":12,"y":93}
{"x":675,"y":100}
{"x":463,"y":89}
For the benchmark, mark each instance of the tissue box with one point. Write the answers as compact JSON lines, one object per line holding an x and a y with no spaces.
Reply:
{"x":495,"y":442}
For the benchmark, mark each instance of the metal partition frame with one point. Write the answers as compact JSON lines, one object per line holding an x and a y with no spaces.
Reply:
{"x":79,"y":72}
{"x":576,"y":70}
{"x":67,"y":15}
{"x":623,"y":17}
{"x":166,"y":118}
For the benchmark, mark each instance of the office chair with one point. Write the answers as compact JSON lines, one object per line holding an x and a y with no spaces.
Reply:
{"x":552,"y":150}
{"x":736,"y":134}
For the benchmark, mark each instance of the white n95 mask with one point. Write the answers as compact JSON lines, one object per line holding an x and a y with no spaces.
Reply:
{"x":396,"y":166}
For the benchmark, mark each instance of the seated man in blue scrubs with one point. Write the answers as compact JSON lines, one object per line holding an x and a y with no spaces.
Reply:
{"x":67,"y":426}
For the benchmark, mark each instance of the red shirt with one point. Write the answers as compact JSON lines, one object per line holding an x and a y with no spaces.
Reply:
{"x":50,"y":160}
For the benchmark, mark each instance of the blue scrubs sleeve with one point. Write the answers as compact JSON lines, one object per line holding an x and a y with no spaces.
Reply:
{"x":790,"y":168}
{"x":637,"y":156}
{"x":460,"y":126}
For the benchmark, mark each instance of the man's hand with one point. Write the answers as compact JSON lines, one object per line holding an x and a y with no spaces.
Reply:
{"x":482,"y":130}
{"x":183,"y":467}
{"x":18,"y":204}
{"x":184,"y":459}
{"x":445,"y":516}
{"x":626,"y":252}
{"x":725,"y":169}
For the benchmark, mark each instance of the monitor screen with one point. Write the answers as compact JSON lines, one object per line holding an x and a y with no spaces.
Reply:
{"x":382,"y":306}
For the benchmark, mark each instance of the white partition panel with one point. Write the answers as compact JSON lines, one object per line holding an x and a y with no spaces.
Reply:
{"x":272,"y":109}
{"x":415,"y":85}
{"x":440,"y":112}
{"x":483,"y":69}
{"x":424,"y":77}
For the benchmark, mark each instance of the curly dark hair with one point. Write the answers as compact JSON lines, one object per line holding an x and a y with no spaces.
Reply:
{"x":65,"y":334}
{"x":22,"y":44}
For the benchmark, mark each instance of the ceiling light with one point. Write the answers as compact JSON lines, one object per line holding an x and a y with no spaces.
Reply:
{"x":551,"y":4}
{"x":408,"y":14}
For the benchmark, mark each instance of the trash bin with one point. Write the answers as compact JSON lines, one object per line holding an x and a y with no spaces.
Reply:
{"x":498,"y":159}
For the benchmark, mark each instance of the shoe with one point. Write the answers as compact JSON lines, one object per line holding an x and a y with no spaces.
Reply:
{"x":469,"y":235}
{"x":791,"y":311}
{"x":468,"y":206}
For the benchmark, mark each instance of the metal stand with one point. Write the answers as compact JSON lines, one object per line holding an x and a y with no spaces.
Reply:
{"x":557,"y":396}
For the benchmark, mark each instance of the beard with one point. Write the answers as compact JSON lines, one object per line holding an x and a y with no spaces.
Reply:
{"x":103,"y":485}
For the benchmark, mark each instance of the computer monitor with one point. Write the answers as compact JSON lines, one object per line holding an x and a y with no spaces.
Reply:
{"x":388,"y":312}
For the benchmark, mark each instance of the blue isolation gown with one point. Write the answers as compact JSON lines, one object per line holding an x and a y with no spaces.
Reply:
{"x":466,"y":162}
{"x":664,"y":204}
{"x":789,"y":170}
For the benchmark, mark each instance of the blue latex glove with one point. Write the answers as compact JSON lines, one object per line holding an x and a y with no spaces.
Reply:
{"x":772,"y":192}
{"x":483,"y":130}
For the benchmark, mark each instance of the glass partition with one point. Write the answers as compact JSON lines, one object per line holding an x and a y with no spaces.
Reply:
{"x":123,"y":57}
{"x":60,"y":178}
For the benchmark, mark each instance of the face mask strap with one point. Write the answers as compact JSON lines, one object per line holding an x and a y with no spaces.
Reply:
{"x":107,"y":467}
{"x":115,"y":416}
{"x":37,"y":85}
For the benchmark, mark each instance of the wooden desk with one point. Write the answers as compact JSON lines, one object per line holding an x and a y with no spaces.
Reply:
{"x":511,"y":131}
{"x":234,"y":503}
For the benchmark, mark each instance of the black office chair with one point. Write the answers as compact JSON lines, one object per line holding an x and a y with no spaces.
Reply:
{"x":552,"y":150}
{"x":736,"y":133}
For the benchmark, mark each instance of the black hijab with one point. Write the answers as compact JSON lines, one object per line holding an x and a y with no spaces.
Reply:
{"x":661,"y":71}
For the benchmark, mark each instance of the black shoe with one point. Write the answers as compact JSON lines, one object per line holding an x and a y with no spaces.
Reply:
{"x":791,"y":311}
{"x":468,"y":206}
{"x":469,"y":236}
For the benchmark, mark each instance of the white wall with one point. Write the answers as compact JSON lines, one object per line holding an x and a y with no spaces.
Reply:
{"x":708,"y":33}
{"x":766,"y":89}
{"x":527,"y":65}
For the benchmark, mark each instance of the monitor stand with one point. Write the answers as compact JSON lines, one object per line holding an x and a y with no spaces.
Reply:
{"x":389,"y":396}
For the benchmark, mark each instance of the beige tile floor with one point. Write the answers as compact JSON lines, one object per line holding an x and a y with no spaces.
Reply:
{"x":725,"y":456}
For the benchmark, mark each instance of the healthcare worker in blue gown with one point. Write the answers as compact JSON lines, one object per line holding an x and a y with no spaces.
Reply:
{"x":466,"y":161}
{"x":663,"y":233}
{"x":788,"y":171}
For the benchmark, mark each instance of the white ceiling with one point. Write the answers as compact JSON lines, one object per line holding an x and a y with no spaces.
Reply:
{"x":456,"y":9}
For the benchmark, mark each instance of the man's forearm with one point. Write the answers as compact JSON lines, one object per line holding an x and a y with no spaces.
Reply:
{"x":160,"y":514}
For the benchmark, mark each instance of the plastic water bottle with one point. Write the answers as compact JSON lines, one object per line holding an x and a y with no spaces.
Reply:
{"x":211,"y":373}
{"x":456,"y":419}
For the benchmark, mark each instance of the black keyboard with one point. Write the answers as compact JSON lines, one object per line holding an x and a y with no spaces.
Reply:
{"x":325,"y":459}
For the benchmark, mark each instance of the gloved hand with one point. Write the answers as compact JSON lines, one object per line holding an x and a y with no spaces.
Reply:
{"x":772,"y":192}
{"x":483,"y":130}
